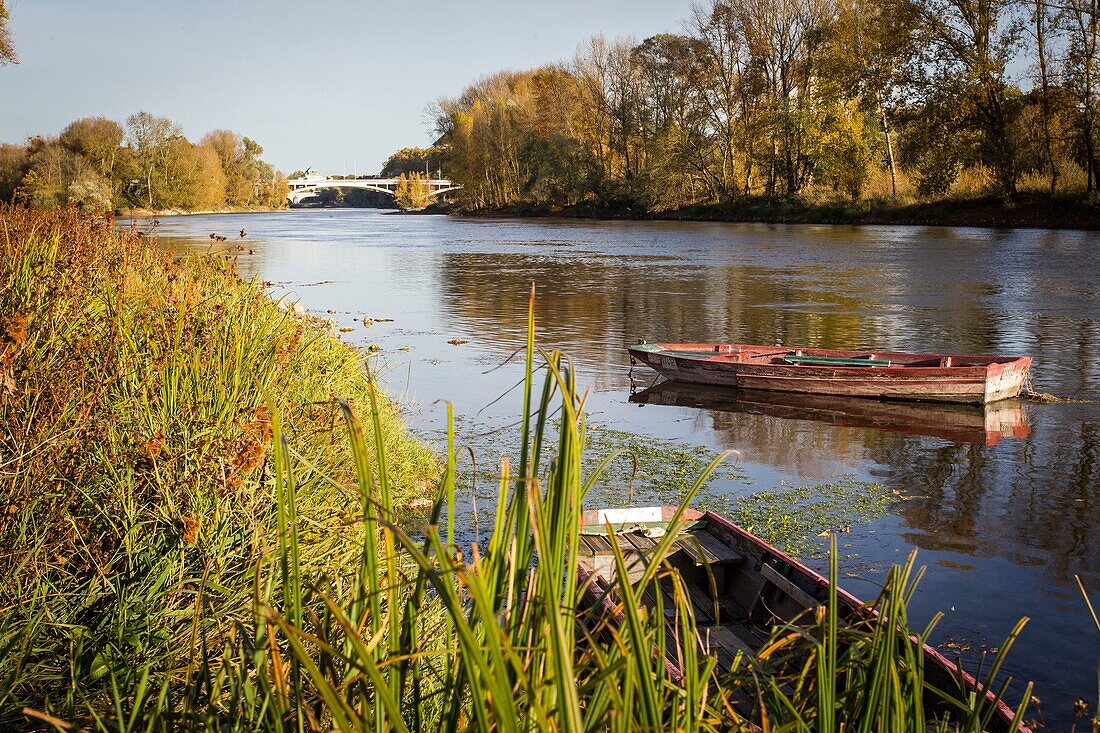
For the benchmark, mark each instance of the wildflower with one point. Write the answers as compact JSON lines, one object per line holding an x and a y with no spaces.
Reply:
{"x":15,"y":330}
{"x":190,"y":528}
{"x":155,"y":445}
{"x":259,"y":426}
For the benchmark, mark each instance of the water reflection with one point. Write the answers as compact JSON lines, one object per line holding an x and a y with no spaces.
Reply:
{"x":983,"y":424}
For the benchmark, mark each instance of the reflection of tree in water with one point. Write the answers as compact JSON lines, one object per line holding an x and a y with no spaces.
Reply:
{"x":593,"y":306}
{"x":1032,"y":501}
{"x":814,"y":451}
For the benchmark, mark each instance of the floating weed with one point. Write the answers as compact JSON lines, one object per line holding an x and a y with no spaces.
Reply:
{"x":796,"y":519}
{"x":642,"y":469}
{"x":650,"y":469}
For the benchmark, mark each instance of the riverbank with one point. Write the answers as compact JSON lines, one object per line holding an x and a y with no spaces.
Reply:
{"x":140,"y":402}
{"x":1030,"y":211}
{"x":157,"y":213}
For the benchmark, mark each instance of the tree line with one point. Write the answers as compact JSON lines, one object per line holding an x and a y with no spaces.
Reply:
{"x":891,"y":100}
{"x":101,"y":165}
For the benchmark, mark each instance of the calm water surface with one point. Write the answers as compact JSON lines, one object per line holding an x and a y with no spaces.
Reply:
{"x":1004,"y":501}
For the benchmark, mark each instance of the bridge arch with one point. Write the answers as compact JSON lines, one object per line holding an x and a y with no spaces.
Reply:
{"x":308,"y":186}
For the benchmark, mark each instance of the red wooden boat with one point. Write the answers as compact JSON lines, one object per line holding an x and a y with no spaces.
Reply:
{"x":882,"y":374}
{"x":739,"y":587}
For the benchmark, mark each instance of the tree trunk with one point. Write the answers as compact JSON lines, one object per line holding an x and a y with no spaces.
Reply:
{"x":1044,"y":107}
{"x":889,"y":151}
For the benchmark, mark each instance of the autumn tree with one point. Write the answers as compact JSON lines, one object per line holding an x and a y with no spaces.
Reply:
{"x":1043,"y":24}
{"x":97,"y":140}
{"x":966,"y":47}
{"x":868,"y":47}
{"x":7,"y":47}
{"x":239,"y":174}
{"x":413,"y":192}
{"x":676,"y":125}
{"x":413,"y":160}
{"x":14,"y":164}
{"x":1081,"y":69}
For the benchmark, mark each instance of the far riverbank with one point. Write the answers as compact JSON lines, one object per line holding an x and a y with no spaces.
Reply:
{"x":157,"y":213}
{"x":1030,"y":211}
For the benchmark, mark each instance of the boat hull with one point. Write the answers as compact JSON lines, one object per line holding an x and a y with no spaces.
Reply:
{"x":748,"y":576}
{"x":932,"y":377}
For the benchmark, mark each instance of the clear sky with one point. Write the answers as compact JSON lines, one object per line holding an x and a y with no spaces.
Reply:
{"x":317,"y":82}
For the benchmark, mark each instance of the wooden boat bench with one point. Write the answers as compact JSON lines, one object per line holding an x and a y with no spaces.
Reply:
{"x":798,"y":595}
{"x":868,"y":361}
{"x":702,"y":547}
{"x":784,"y":591}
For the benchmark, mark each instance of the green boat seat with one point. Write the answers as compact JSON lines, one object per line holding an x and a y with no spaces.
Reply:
{"x":796,"y":358}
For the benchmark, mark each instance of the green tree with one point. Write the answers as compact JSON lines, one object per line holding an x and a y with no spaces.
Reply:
{"x":1081,"y":68}
{"x":967,"y":46}
{"x":154,"y":142}
{"x":271,"y":187}
{"x":866,"y":52}
{"x":845,"y":152}
{"x":562,"y":170}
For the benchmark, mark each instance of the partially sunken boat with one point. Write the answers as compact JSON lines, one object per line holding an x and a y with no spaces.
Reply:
{"x":739,"y":587}
{"x":881,"y":374}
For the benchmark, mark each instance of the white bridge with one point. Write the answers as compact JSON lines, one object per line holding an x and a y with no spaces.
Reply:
{"x":309,"y":184}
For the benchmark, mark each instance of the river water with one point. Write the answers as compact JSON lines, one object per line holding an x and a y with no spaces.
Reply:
{"x":1000,"y":503}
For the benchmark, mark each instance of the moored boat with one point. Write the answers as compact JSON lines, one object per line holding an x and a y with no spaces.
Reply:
{"x":739,"y":588}
{"x":889,"y":374}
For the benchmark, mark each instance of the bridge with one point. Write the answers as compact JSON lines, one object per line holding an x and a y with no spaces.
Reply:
{"x":309,"y":184}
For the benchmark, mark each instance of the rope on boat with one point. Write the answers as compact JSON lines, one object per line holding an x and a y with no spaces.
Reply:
{"x":1029,"y":393}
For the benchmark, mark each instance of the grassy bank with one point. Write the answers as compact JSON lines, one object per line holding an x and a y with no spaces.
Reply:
{"x":1030,"y":210}
{"x":138,"y":399}
{"x":200,"y":532}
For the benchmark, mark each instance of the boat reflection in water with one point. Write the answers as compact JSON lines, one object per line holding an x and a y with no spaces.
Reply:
{"x":985,"y":424}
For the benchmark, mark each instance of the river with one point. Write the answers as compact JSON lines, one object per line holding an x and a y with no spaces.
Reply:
{"x":1000,"y":503}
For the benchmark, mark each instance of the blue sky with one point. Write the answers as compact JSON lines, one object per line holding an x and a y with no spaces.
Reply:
{"x":316,"y":82}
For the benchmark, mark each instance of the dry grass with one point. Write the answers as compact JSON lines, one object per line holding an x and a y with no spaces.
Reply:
{"x":137,"y":399}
